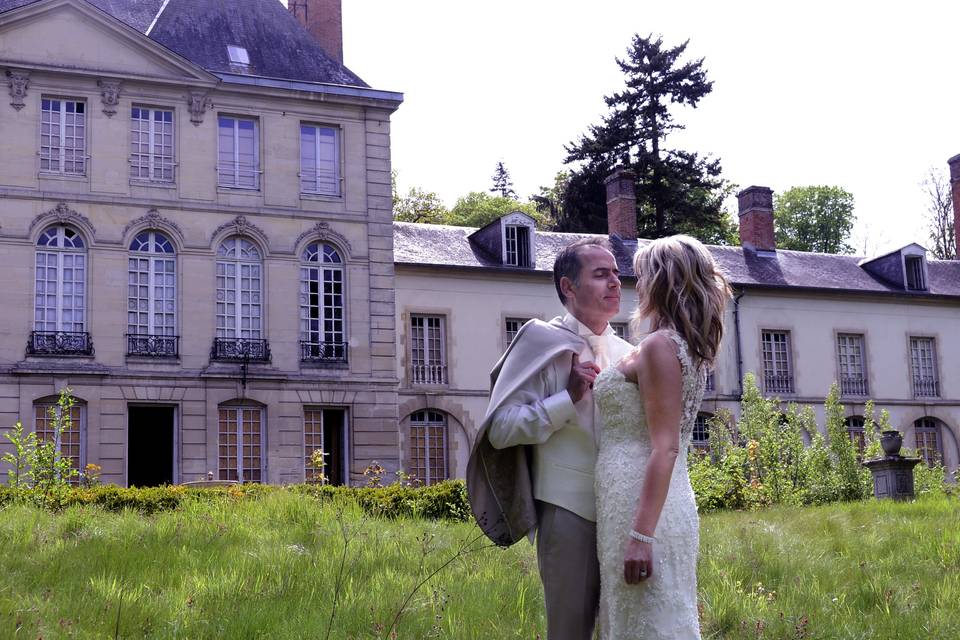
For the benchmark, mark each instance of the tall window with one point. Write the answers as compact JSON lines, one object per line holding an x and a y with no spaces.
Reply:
{"x":428,"y":446}
{"x":151,"y":144}
{"x":60,"y":287}
{"x":711,"y":383}
{"x":853,"y":372}
{"x":923,"y":365}
{"x":240,"y":442}
{"x":855,"y":429}
{"x":70,"y":441}
{"x":238,"y":163}
{"x":777,"y":372}
{"x":151,"y":286}
{"x":927,"y":432}
{"x":914,"y":267}
{"x":517,"y":245}
{"x":63,"y":136}
{"x":620,"y":329}
{"x":322,"y":334}
{"x":319,"y":160}
{"x":511,"y":328}
{"x":427,"y":350}
{"x":324,"y":429}
{"x":239,"y":290}
{"x":700,"y":441}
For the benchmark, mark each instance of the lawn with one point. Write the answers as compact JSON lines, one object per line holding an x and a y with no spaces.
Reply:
{"x":270,"y":567}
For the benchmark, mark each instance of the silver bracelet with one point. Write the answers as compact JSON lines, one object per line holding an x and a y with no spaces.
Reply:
{"x":636,"y":535}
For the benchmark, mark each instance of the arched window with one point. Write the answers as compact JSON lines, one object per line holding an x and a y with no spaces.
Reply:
{"x":428,"y":446}
{"x":60,"y":293}
{"x":927,"y":433}
{"x":70,"y":440}
{"x":700,"y":441}
{"x":854,"y":426}
{"x":241,"y":443}
{"x":322,"y":328}
{"x":151,"y":296}
{"x":239,"y":290}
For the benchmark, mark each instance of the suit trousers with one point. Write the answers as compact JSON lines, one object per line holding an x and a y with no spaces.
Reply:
{"x":569,"y":570}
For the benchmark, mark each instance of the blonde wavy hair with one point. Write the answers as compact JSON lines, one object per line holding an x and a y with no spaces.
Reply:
{"x":681,"y":286}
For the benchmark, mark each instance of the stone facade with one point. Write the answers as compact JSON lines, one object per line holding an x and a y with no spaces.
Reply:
{"x":70,"y":51}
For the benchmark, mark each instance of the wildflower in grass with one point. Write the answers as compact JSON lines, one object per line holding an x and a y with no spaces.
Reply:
{"x":374,"y":473}
{"x":91,"y":475}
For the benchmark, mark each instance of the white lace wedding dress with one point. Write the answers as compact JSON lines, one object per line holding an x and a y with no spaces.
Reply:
{"x":665,"y":606}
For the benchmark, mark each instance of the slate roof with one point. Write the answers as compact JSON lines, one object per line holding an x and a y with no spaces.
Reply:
{"x":445,"y":246}
{"x":200,"y":30}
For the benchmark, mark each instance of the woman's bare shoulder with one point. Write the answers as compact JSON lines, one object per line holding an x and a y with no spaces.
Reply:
{"x":657,"y":352}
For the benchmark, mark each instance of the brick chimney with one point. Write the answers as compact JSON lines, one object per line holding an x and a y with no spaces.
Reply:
{"x":954,"y":163}
{"x":622,"y":204}
{"x":756,"y":219}
{"x":324,"y":20}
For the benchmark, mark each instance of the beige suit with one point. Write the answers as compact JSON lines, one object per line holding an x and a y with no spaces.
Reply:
{"x":536,"y":414}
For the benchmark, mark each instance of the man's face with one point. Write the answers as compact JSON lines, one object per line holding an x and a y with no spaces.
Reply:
{"x":595,"y":297}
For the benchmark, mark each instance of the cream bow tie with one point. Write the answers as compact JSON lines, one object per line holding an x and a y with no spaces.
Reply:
{"x":598,"y":344}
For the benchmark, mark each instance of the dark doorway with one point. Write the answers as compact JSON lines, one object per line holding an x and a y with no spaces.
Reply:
{"x":334,"y":421}
{"x":150,"y":446}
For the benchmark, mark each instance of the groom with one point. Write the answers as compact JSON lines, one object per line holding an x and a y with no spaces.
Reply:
{"x":532,"y":464}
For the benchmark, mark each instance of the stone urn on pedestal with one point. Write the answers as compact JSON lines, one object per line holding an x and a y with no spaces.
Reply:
{"x":892,"y":474}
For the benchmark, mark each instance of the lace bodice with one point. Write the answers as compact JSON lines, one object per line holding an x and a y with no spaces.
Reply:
{"x":664,"y":607}
{"x":617,"y":396}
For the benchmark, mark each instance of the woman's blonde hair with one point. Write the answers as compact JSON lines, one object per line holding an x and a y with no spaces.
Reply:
{"x":678,"y":282}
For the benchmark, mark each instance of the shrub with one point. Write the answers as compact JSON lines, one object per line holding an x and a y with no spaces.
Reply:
{"x":445,"y":500}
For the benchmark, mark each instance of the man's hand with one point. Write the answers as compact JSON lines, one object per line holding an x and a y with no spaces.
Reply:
{"x":637,"y":561}
{"x":581,"y":378}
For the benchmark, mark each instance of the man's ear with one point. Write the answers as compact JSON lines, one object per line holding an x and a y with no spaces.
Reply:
{"x":567,"y":287}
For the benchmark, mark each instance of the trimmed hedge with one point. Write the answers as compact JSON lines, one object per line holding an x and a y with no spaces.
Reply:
{"x":443,"y":501}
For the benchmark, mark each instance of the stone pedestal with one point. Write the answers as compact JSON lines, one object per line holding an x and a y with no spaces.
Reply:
{"x":893,"y":477}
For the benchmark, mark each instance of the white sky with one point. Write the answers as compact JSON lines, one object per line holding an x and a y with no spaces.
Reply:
{"x":854,"y":94}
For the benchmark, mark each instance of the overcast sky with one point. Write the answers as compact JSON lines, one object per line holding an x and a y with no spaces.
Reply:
{"x":853,"y":94}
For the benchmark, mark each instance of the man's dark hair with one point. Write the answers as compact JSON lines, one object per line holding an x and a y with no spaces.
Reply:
{"x":567,"y":264}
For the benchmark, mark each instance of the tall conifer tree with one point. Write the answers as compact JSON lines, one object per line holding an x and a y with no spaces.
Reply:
{"x":677,"y":191}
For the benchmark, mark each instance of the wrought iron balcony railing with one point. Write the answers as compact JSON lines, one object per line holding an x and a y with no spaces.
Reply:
{"x":777,"y":383}
{"x":926,"y":388}
{"x":240,"y":349}
{"x":323,"y":351}
{"x":853,"y":386}
{"x":60,"y":343}
{"x":428,"y":374}
{"x":143,"y":344}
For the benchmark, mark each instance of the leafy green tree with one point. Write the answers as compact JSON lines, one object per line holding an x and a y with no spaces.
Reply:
{"x":477,"y":209}
{"x":549,"y":200}
{"x":418,"y":205}
{"x":502,"y":183}
{"x":678,"y":191}
{"x":814,"y":218}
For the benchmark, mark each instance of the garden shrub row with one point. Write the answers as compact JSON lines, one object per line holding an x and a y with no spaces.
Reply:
{"x":443,"y":501}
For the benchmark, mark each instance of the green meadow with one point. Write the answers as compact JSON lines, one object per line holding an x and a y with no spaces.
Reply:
{"x":283,"y":564}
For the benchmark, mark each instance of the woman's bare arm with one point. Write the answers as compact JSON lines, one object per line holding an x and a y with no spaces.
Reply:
{"x":657,"y":372}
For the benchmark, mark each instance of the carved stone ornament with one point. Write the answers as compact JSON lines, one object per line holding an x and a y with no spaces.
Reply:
{"x":322,"y":231}
{"x":62,"y":214}
{"x":199,"y":102}
{"x":153,"y":220}
{"x":109,"y":95}
{"x":19,"y":81}
{"x":240,"y":226}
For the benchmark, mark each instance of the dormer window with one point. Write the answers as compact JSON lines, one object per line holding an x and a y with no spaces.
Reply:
{"x":915,"y":277}
{"x":518,"y":246}
{"x":238,"y":54}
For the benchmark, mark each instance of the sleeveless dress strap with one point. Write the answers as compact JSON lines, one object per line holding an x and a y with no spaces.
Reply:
{"x":683,"y":350}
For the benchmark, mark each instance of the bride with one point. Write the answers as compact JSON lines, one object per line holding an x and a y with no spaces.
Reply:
{"x":647,"y":525}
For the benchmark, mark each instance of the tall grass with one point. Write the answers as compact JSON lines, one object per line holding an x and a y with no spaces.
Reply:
{"x":268,"y":568}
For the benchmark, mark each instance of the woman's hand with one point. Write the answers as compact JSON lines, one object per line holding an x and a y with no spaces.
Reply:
{"x":637,"y":561}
